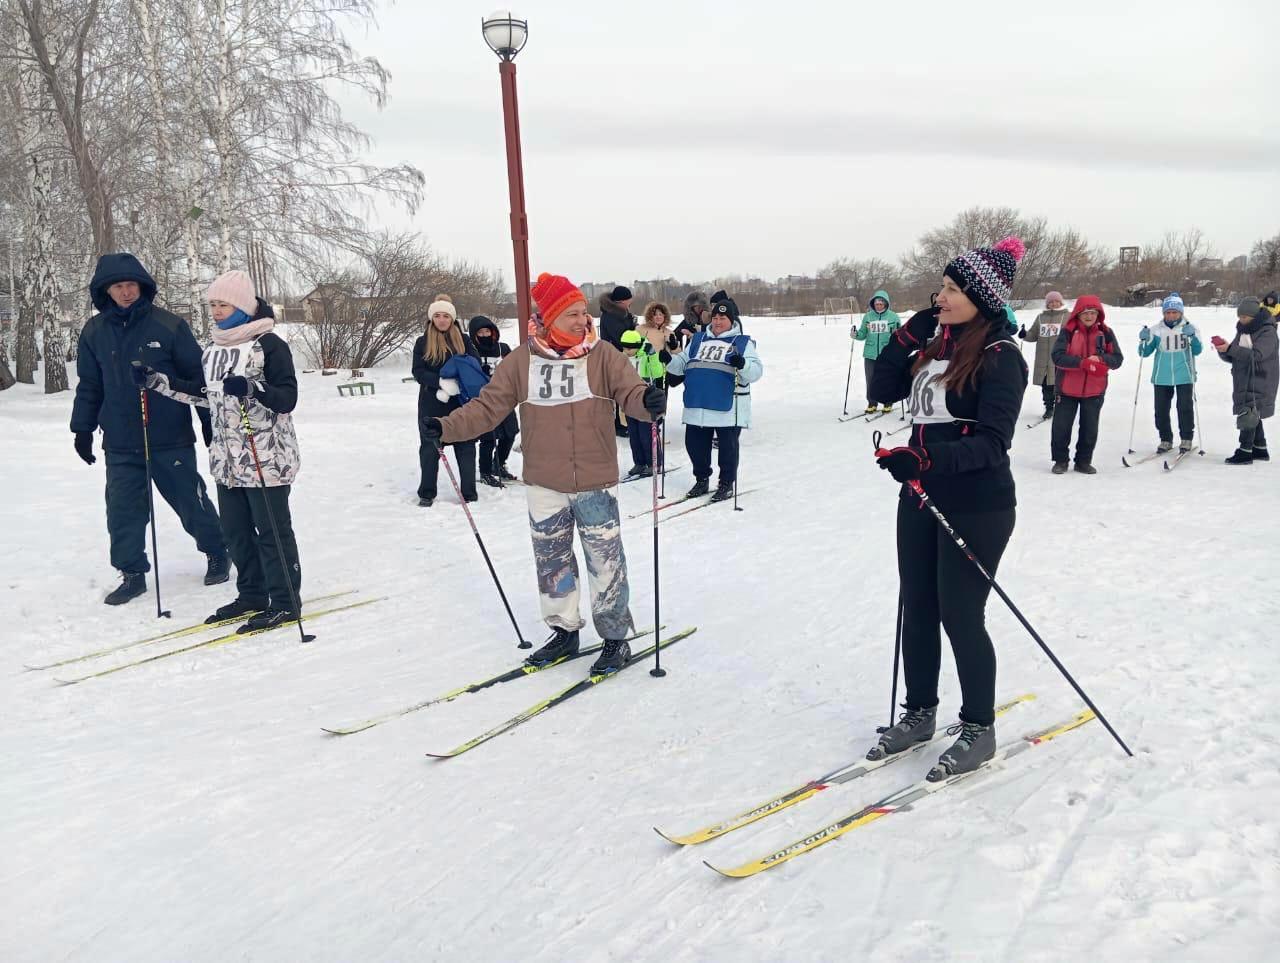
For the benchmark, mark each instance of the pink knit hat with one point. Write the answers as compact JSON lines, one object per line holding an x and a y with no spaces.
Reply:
{"x":235,"y":287}
{"x":1054,"y":294}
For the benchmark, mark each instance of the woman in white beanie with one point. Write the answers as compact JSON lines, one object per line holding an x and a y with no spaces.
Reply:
{"x":437,"y":397}
{"x":249,"y":368}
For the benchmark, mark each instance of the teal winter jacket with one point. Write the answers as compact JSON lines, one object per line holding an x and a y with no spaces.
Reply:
{"x":1174,"y":347}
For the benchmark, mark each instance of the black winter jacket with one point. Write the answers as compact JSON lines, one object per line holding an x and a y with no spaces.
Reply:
{"x":614,"y":321}
{"x":106,"y":396}
{"x":969,"y":456}
{"x":428,"y":377}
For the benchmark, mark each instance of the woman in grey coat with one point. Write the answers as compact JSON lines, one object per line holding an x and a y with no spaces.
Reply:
{"x":1044,"y":332}
{"x":1255,"y":375}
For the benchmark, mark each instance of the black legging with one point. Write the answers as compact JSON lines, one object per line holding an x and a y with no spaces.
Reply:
{"x":943,"y":589}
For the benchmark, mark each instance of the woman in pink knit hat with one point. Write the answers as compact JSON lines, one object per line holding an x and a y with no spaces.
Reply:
{"x":248,"y":373}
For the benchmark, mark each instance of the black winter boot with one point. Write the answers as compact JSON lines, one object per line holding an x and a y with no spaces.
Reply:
{"x":268,"y":619}
{"x":700,"y":487}
{"x":1084,"y":468}
{"x":724,"y":491}
{"x":234,"y":609}
{"x":491,"y":480}
{"x":500,"y":469}
{"x":1260,"y":453}
{"x":1059,"y":468}
{"x":219,"y":570}
{"x":1241,"y":457}
{"x":976,"y":745}
{"x":134,"y":584}
{"x":562,"y":645}
{"x":614,"y":654}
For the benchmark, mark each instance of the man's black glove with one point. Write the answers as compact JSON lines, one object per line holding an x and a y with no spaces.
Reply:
{"x":432,"y":430}
{"x":140,"y":373}
{"x":206,"y":431}
{"x":664,"y":357}
{"x":238,"y":386}
{"x":655,"y":401}
{"x":736,"y":361}
{"x":922,"y":325}
{"x":84,"y":447}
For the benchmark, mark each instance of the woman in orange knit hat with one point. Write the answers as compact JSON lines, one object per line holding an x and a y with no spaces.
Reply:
{"x":566,"y":383}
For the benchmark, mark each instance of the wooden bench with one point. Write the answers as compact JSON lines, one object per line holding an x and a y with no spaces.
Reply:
{"x":350,"y":389}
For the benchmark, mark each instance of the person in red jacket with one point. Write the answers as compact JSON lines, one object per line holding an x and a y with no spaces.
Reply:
{"x":1085,"y":352}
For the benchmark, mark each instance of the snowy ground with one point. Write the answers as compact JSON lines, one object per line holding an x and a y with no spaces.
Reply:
{"x":192,"y":810}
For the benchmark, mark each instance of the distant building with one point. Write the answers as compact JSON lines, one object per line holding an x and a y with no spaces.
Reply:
{"x":1240,"y":263}
{"x":797,"y":282}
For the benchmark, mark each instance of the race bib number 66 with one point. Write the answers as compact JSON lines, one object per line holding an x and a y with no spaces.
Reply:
{"x":558,"y":382}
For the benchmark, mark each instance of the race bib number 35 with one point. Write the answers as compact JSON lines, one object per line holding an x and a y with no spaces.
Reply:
{"x":553,"y":382}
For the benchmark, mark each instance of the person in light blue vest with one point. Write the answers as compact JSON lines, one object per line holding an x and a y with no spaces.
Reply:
{"x":719,"y":366}
{"x":1175,"y":343}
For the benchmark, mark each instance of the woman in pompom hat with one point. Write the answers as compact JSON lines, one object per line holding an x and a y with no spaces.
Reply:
{"x":248,"y":366}
{"x":442,"y":341}
{"x":566,"y":383}
{"x":964,"y":380}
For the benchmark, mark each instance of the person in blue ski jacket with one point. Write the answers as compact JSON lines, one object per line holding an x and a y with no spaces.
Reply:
{"x":719,"y":366}
{"x":1175,"y":342}
{"x":130,"y":327}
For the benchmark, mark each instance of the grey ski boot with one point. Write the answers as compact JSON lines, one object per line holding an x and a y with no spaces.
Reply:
{"x":912,"y":728}
{"x":976,"y":745}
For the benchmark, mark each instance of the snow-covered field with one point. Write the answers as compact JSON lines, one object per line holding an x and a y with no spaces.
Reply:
{"x":191,"y":809}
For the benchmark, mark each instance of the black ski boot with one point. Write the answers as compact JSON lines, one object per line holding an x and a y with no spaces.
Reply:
{"x":1260,"y":453}
{"x":1241,"y":457}
{"x":426,"y":502}
{"x":913,"y":726}
{"x":268,"y":619}
{"x":976,"y":745}
{"x":219,"y":570}
{"x":1084,"y":468}
{"x":561,"y":645}
{"x":1059,"y":468}
{"x":700,"y":488}
{"x":613,"y":656}
{"x":234,"y":609}
{"x":491,"y":480}
{"x":1164,"y":446}
{"x":500,"y":469}
{"x":724,"y":491}
{"x":134,"y":584}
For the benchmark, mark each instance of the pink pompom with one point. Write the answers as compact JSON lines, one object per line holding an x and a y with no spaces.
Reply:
{"x":1014,"y":246}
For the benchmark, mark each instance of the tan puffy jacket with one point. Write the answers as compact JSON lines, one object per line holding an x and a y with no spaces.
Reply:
{"x":567,"y":425}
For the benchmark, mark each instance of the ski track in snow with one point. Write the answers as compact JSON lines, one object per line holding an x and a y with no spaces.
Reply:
{"x":192,"y":809}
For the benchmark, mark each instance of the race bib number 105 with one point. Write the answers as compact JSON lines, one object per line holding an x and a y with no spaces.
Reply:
{"x":558,"y":382}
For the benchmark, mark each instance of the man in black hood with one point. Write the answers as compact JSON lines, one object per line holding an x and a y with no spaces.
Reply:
{"x":496,"y":445}
{"x":616,"y":319}
{"x":127,"y":328}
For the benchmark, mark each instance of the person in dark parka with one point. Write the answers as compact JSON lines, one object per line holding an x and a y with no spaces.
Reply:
{"x":496,"y":445}
{"x":129,"y":327}
{"x":1255,"y":376}
{"x":442,"y":340}
{"x":615,"y":319}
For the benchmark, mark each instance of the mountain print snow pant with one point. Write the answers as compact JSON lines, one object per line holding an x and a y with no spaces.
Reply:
{"x":552,"y":518}
{"x":173,"y":470}
{"x":262,"y":578}
{"x":941,"y":589}
{"x":1186,"y":411}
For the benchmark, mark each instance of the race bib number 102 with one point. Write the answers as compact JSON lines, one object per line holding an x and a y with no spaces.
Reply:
{"x":558,"y":382}
{"x":222,"y":363}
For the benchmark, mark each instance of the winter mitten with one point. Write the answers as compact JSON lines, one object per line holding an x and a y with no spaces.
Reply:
{"x":448,"y":388}
{"x":432,"y":431}
{"x":238,"y":386}
{"x":853,"y":333}
{"x":655,"y":401}
{"x":664,"y":357}
{"x":736,"y":361}
{"x":84,"y":447}
{"x":905,"y":464}
{"x":1190,"y":331}
{"x":1144,"y":334}
{"x":1022,"y":332}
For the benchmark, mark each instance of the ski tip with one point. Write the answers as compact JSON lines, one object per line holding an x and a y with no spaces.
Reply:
{"x":342,"y":732}
{"x":441,"y":755}
{"x":67,"y":681}
{"x":674,"y":842}
{"x":726,"y":873}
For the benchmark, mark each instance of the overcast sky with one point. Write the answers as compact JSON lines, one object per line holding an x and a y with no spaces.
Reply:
{"x":696,"y":139}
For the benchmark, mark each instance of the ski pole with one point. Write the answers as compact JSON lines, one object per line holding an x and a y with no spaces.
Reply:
{"x":523,"y":643}
{"x":927,"y":502}
{"x":897,"y":659}
{"x":739,"y":441}
{"x":271,"y":517}
{"x":657,"y":671}
{"x":1133,"y":424}
{"x":151,"y":498}
{"x":663,"y":493}
{"x":1195,"y":395}
{"x":848,"y":378}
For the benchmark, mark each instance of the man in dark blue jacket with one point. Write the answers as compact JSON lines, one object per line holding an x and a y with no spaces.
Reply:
{"x":129,"y":327}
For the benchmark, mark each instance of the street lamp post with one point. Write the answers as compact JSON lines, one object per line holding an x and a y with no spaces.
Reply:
{"x":506,"y":37}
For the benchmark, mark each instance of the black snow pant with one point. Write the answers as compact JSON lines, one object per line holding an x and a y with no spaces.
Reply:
{"x":868,"y":368}
{"x":176,"y":478}
{"x":262,"y":577}
{"x":697,"y":442}
{"x":429,"y":460}
{"x":1047,"y":394}
{"x":640,"y":434}
{"x":941,"y":589}
{"x":1253,"y":439}
{"x":1186,"y":411}
{"x":496,"y":445}
{"x":1064,"y":419}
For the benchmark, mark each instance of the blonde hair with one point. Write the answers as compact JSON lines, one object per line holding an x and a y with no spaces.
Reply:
{"x":439,"y":346}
